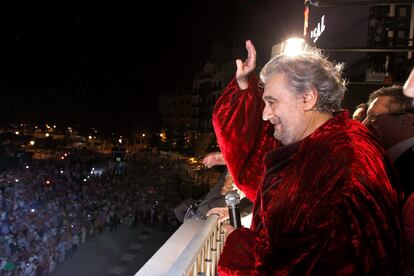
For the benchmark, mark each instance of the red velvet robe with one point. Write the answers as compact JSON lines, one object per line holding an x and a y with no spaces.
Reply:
{"x":322,"y":206}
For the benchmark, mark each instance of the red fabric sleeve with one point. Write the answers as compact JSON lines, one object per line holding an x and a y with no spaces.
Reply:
{"x":244,"y":138}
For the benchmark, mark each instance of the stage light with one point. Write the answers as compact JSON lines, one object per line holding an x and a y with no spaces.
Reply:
{"x":292,"y":47}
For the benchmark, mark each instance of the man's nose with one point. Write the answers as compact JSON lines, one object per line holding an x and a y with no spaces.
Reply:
{"x":267,"y":114}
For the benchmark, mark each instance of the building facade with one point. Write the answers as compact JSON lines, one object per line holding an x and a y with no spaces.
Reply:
{"x":187,"y":114}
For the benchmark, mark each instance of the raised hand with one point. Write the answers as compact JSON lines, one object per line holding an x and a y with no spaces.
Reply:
{"x":244,"y":69}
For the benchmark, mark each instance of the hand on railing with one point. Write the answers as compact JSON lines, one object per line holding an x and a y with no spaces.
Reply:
{"x":221,"y":212}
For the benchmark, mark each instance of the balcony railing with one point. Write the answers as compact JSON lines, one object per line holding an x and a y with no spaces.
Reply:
{"x":194,"y":249}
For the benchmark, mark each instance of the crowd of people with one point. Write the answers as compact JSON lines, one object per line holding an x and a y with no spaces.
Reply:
{"x":48,"y":208}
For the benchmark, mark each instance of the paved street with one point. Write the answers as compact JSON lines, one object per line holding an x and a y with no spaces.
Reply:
{"x":114,"y":253}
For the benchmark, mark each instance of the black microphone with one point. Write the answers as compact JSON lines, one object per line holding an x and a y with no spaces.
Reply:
{"x":232,"y":199}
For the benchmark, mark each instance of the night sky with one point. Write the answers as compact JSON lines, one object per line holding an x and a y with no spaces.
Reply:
{"x":103,"y":64}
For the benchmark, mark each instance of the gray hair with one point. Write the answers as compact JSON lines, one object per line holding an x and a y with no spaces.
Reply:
{"x":307,"y":71}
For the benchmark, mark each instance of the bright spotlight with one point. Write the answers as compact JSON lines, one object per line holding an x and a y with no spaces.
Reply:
{"x":294,"y":46}
{"x":291,"y":47}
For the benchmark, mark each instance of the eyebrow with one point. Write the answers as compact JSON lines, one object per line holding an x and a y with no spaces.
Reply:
{"x":268,"y":98}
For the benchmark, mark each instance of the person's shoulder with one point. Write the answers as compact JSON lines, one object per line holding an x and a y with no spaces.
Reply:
{"x":408,"y":154}
{"x":355,"y":136}
{"x":405,"y":160}
{"x":350,"y":143}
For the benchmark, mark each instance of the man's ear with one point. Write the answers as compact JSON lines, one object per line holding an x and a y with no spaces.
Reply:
{"x":310,"y":97}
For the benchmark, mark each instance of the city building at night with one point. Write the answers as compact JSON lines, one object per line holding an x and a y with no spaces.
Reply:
{"x":187,"y":113}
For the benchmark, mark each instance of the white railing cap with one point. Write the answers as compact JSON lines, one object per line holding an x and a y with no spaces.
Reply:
{"x":178,"y":253}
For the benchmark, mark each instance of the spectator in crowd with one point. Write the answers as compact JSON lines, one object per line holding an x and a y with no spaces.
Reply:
{"x":324,"y":203}
{"x":360,"y":112}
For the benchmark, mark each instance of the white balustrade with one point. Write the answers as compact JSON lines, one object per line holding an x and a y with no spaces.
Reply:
{"x":194,"y":249}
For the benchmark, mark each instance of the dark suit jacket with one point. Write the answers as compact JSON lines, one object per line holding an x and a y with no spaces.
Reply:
{"x":404,"y":165}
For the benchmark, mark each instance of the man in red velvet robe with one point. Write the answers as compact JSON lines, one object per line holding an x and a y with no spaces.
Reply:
{"x":324,"y":202}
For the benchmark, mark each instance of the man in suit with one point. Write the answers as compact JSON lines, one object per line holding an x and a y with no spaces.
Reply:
{"x":391,"y":116}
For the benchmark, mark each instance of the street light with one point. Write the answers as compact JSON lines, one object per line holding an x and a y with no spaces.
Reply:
{"x":163,"y":136}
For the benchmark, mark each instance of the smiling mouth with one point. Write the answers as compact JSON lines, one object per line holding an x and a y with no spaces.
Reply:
{"x":275,"y":122}
{"x":277,"y":126}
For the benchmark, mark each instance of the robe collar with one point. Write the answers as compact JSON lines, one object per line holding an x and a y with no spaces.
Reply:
{"x":283,"y":154}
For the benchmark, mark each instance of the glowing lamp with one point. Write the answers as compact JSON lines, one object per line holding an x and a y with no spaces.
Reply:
{"x":292,"y":47}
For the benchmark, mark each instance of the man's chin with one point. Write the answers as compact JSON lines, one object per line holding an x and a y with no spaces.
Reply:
{"x":376,"y":133}
{"x":279,"y":138}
